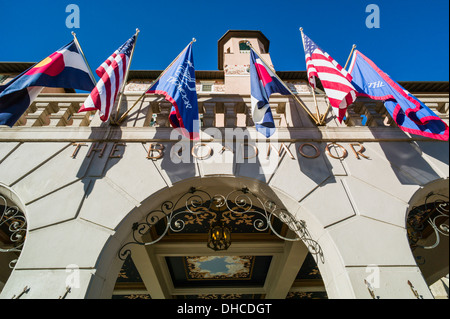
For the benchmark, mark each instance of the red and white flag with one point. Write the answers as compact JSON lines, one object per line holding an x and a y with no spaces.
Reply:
{"x":335,"y":80}
{"x":112,"y":74}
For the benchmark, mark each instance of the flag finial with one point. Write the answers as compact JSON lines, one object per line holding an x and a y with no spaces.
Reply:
{"x":194,"y":40}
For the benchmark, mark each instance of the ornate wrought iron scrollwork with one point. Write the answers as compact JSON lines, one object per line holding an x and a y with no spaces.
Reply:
{"x":298,"y":227}
{"x":237,"y":204}
{"x":195,"y":202}
{"x":434,"y":212}
{"x":427,"y":219}
{"x":14,"y":225}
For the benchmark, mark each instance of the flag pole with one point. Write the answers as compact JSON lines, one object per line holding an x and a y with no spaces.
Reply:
{"x":125,"y":78}
{"x":313,"y":89}
{"x":162,"y":73}
{"x":287,"y":88}
{"x":77,"y":43}
{"x":346,"y":63}
{"x":350,"y":55}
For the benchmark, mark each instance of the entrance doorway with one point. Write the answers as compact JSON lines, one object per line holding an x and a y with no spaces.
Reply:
{"x":168,"y":256}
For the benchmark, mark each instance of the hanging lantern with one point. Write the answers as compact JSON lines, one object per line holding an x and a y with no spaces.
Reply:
{"x":219,"y":236}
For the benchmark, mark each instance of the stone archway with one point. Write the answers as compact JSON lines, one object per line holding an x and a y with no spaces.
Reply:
{"x":213,"y":185}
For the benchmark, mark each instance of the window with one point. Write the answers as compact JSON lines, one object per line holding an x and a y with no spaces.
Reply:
{"x":243,"y":47}
{"x":207,"y":87}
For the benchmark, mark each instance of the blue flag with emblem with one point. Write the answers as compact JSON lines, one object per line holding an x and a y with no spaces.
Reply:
{"x":177,"y":85}
{"x":410,"y":114}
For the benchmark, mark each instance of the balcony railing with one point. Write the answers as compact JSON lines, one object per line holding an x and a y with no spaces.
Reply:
{"x":216,"y":110}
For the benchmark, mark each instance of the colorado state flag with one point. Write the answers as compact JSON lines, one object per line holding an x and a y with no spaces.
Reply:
{"x":410,"y":114}
{"x":65,"y":68}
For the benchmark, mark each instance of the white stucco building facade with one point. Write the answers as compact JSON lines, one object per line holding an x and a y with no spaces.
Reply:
{"x":348,"y":190}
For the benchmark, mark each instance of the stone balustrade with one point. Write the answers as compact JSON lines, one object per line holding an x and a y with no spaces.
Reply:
{"x":216,"y":110}
{"x":367,"y":112}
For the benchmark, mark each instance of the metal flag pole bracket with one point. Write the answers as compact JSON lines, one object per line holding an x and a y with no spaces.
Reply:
{"x":68,"y":290}
{"x":416,"y":294}
{"x":24,"y":291}
{"x":371,"y":290}
{"x":322,"y":120}
{"x":162,"y":73}
{"x":317,"y":107}
{"x":287,"y":88}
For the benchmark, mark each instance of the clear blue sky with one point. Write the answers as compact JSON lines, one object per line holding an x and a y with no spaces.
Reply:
{"x":411,"y":44}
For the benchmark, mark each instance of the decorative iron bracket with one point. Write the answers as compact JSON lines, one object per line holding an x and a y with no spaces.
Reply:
{"x":371,"y":290}
{"x":237,"y":203}
{"x":434,"y":212}
{"x":24,"y":291}
{"x":416,"y":294}
{"x":13,"y":221}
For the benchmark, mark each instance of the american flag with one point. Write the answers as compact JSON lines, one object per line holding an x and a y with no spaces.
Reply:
{"x":335,"y":80}
{"x":112,"y":73}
